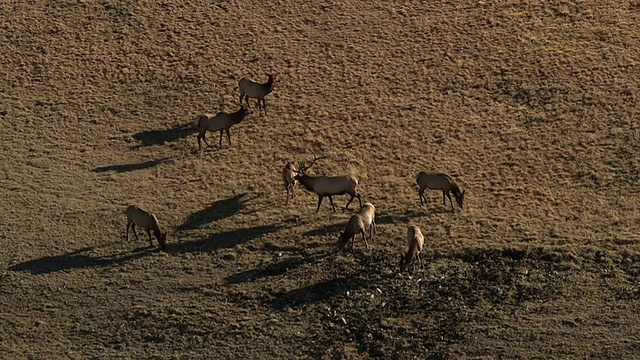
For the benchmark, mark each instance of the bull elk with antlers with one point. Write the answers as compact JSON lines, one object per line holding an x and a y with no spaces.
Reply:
{"x":328,"y":186}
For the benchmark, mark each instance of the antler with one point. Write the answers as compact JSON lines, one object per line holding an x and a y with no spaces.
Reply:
{"x":303,"y":169}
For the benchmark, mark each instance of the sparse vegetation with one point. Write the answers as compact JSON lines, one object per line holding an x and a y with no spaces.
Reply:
{"x":531,"y":106}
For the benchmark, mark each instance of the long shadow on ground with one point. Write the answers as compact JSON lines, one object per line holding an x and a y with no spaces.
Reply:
{"x":319,"y":292}
{"x":327,"y":229}
{"x":407,"y":216}
{"x":159,"y":137}
{"x":275,"y":269}
{"x":218,"y":210}
{"x":223,"y":240}
{"x":130,"y":167}
{"x":75,"y":260}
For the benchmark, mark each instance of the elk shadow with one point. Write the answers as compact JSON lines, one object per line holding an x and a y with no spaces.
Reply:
{"x":159,"y":137}
{"x":407,"y":216}
{"x":130,"y":167}
{"x":78,"y":259}
{"x":327,"y":229}
{"x":274,"y":269}
{"x":223,"y":240}
{"x":318,"y":292}
{"x":270,"y":247}
{"x":444,"y":209}
{"x":218,"y":210}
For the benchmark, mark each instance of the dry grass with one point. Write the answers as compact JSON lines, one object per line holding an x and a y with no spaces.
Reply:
{"x":531,"y":106}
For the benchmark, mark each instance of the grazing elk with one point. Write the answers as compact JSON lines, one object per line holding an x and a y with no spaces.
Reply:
{"x":288,"y":177}
{"x":368,"y":213}
{"x":415,"y":242}
{"x":221,"y":121}
{"x":360,"y":222}
{"x":439,"y":182}
{"x":146,"y":220}
{"x":251,"y":89}
{"x":355,"y":225}
{"x":329,"y":185}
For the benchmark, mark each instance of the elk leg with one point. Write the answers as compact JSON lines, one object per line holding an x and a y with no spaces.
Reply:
{"x":331,"y":201}
{"x":204,"y":137}
{"x":264,"y":106}
{"x":350,"y":200}
{"x":450,"y":201}
{"x":246,"y":98}
{"x":359,"y":199}
{"x":149,"y":235}
{"x":221,"y":131}
{"x":133,"y":227}
{"x":128,"y":225}
{"x":319,"y":202}
{"x":228,"y":137}
{"x":444,"y":200}
{"x":420,"y":196}
{"x":364,"y":238}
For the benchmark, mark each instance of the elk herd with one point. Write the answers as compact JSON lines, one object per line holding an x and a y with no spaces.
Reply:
{"x":360,"y":223}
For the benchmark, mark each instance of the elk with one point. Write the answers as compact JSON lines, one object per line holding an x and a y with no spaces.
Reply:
{"x":221,"y":121}
{"x":365,"y":218}
{"x":251,"y":89}
{"x":288,"y":177}
{"x":442,"y":182}
{"x":368,"y":213}
{"x":146,"y":220}
{"x":356,"y":224}
{"x":328,"y":185}
{"x":415,"y":242}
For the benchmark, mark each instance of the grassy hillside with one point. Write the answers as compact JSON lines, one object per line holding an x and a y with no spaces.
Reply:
{"x":531,"y":107}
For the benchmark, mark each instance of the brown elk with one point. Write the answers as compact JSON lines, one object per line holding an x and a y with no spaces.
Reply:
{"x":358,"y":223}
{"x":221,"y":121}
{"x":251,"y":89}
{"x":442,"y":182}
{"x":328,"y":186}
{"x":146,"y":220}
{"x":288,"y":177}
{"x":415,"y":242}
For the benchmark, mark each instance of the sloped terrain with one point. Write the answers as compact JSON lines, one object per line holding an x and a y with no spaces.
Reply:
{"x":531,"y":107}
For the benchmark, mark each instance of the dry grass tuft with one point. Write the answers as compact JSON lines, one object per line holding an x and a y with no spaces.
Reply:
{"x":532,"y":107}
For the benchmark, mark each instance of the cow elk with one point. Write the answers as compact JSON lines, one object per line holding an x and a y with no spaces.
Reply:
{"x":415,"y":242}
{"x":442,"y":182}
{"x":368,"y":213}
{"x":361,"y":222}
{"x":221,"y":121}
{"x":288,"y":177}
{"x":251,"y":89}
{"x":146,"y":220}
{"x":356,"y":225}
